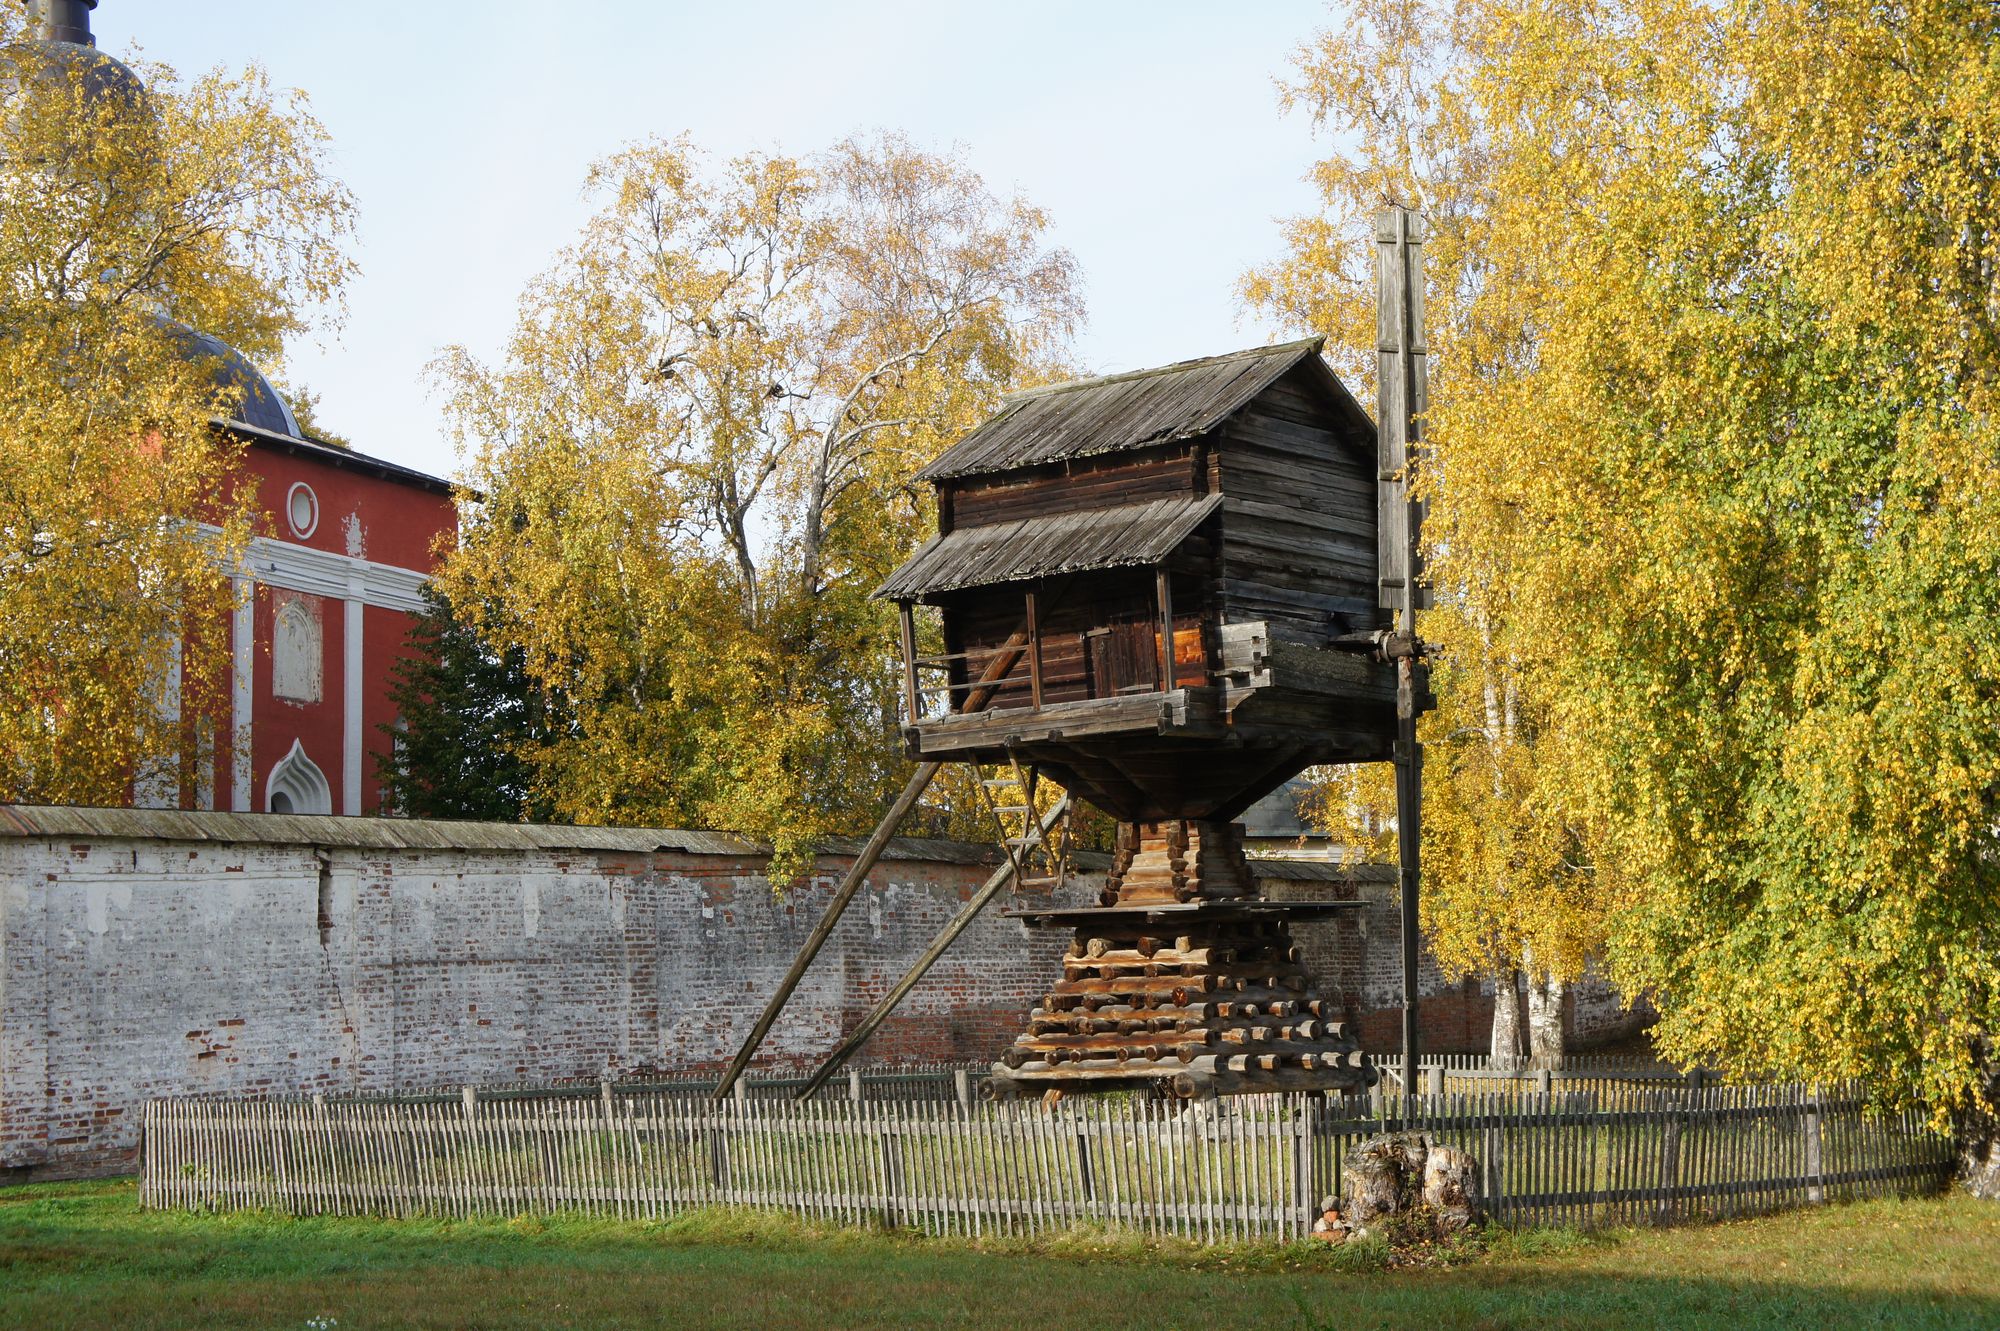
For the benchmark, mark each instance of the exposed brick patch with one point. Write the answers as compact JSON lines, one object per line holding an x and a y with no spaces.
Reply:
{"x":1358,"y":957}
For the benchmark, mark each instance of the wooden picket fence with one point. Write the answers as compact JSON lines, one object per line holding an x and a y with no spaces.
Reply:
{"x":1620,"y":1067}
{"x":1245,"y":1168}
{"x":1615,"y":1081}
{"x":889,"y":1081}
{"x":1458,"y":1073}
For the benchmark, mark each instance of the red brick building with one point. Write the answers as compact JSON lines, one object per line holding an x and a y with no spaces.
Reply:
{"x":330,"y":585}
{"x":334,"y":578}
{"x":344,"y":543}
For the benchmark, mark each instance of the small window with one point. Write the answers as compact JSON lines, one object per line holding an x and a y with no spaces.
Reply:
{"x":281,"y":802}
{"x":302,"y":510}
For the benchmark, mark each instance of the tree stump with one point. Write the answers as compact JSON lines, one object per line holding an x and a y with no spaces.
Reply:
{"x":1410,"y":1176}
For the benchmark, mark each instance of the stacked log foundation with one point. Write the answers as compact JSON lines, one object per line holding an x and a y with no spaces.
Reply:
{"x":1206,"y":995}
{"x":1180,"y":860}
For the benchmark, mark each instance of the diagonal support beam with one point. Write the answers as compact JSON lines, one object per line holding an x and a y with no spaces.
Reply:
{"x":857,"y":873}
{"x":959,"y":924}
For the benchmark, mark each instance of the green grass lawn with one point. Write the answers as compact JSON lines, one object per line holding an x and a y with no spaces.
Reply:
{"x":85,"y":1255}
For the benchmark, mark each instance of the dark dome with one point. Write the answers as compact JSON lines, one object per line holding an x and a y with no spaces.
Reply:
{"x":61,"y":44}
{"x":261,"y":405}
{"x":104,"y":76}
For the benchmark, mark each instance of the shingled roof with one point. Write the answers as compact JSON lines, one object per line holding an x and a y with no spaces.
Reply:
{"x":1126,"y":411}
{"x":1051,"y":543}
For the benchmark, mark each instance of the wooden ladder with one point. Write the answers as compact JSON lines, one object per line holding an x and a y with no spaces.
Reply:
{"x":1014,"y":816}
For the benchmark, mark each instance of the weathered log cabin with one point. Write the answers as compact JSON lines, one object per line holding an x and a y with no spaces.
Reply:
{"x":1163,"y":589}
{"x":1155,"y":566}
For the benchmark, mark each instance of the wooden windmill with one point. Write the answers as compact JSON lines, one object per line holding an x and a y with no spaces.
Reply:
{"x":1169,"y":591}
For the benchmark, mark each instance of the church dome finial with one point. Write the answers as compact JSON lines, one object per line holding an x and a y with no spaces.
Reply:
{"x":62,"y":20}
{"x":59,"y":34}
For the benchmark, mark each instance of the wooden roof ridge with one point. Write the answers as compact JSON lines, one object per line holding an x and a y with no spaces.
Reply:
{"x":1296,"y":346}
{"x":1136,"y":409}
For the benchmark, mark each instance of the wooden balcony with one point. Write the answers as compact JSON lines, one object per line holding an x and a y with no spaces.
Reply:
{"x":1262,"y":685}
{"x":1190,"y":713}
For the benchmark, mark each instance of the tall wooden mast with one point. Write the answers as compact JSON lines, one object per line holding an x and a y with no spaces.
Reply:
{"x":1402,"y":397}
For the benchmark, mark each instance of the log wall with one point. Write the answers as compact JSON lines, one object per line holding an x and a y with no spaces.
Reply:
{"x":1103,"y":482}
{"x":1298,"y":521}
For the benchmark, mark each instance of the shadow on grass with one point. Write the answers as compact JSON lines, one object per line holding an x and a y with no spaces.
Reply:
{"x":85,"y":1256}
{"x":1614,"y":1303}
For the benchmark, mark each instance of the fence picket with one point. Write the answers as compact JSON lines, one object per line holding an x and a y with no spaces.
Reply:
{"x":785,"y":1147}
{"x":1174,"y":1157}
{"x":1003,"y":1170}
{"x":1241,"y":1126}
{"x":362,"y":1147}
{"x":1055,"y":1147}
{"x":1019,"y":1171}
{"x":1728,"y":1136}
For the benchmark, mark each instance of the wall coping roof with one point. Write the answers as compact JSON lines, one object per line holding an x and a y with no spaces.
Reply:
{"x":42,"y":821}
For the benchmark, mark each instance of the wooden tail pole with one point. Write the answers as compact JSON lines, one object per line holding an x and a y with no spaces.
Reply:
{"x":1409,"y":840}
{"x":857,"y":873}
{"x":959,"y":923}
{"x":1403,"y":386}
{"x":1402,"y":397}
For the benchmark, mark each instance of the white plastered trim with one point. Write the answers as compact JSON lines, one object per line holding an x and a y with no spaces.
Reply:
{"x":299,"y":777}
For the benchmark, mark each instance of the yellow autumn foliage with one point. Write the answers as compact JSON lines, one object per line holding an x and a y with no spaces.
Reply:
{"x":203,"y":203}
{"x":694,"y":464}
{"x":1712,"y":450}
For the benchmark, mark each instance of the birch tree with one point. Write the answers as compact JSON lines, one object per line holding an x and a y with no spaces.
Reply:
{"x":696,"y":453}
{"x":125,"y":217}
{"x":1507,"y":887}
{"x":1509,"y":895}
{"x":1738,"y":479}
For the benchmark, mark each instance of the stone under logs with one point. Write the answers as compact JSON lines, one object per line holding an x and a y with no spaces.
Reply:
{"x":1183,"y":979}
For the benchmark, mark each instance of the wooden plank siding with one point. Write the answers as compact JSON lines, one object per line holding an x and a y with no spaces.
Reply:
{"x":1087,"y":483}
{"x":1098,"y":637}
{"x":1298,"y":526}
{"x":1296,"y":548}
{"x":1250,"y":479}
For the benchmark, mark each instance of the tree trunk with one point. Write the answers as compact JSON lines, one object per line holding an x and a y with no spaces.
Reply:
{"x":1506,"y":1051}
{"x":731,"y":515}
{"x":1545,"y":1020}
{"x":1978,"y":1129}
{"x":812,"y":538}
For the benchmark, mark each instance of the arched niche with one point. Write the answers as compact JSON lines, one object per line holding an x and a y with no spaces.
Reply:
{"x":297,"y":651}
{"x":296,"y":785}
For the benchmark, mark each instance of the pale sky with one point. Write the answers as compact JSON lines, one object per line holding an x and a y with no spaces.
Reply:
{"x":1150,"y":131}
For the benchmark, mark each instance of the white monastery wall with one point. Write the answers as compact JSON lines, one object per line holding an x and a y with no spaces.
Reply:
{"x":186,"y":960}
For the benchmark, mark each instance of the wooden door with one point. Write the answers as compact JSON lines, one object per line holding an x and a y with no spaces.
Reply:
{"x":1124,"y":658}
